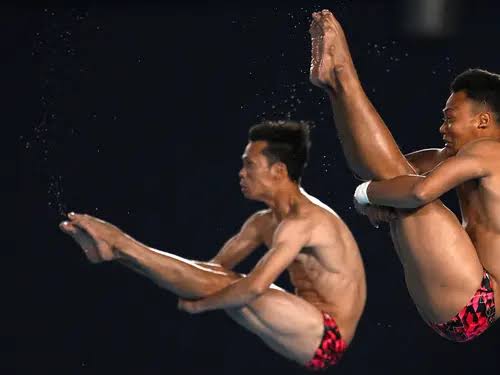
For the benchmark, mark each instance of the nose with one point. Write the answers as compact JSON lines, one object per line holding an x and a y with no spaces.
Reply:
{"x":442,"y":129}
{"x":241,"y":173}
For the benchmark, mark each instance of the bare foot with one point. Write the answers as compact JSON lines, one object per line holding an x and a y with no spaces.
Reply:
{"x":330,"y":54}
{"x":97,"y":238}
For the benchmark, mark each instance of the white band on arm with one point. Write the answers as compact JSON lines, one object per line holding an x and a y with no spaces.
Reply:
{"x":360,"y":195}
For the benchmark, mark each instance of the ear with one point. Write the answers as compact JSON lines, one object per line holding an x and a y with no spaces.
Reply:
{"x":279,"y":170}
{"x":484,"y":120}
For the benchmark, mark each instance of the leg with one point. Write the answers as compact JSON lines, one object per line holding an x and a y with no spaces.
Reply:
{"x":286,"y":323}
{"x":368,"y":145}
{"x":442,"y":269}
{"x":102,"y":241}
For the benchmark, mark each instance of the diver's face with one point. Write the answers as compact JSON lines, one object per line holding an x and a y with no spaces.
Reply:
{"x":256,"y":177}
{"x":461,"y":122}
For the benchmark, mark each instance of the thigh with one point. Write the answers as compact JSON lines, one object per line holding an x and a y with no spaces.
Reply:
{"x":288,"y":324}
{"x":441,"y":264}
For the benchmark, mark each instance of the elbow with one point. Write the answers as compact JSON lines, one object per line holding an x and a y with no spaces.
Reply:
{"x":257,"y":289}
{"x":420,"y":196}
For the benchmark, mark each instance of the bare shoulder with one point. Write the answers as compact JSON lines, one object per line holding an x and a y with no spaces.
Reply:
{"x":326,"y":229}
{"x":262,"y":217}
{"x":319,"y":207}
{"x":483,"y":154}
{"x":320,"y":215}
{"x":256,"y":225}
{"x":481,"y":147}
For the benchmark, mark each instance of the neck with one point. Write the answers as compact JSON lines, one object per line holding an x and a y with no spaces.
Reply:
{"x":284,"y":199}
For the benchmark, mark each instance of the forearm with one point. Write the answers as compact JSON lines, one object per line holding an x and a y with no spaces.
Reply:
{"x":225,"y":262}
{"x":398,"y":192}
{"x":234,"y":251}
{"x":235,"y":295}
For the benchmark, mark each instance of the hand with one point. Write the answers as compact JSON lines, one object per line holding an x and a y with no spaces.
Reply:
{"x":98,"y":239}
{"x":376,"y":214}
{"x":192,"y":307}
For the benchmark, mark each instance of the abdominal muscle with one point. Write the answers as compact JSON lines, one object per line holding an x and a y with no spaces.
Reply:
{"x":330,"y":293}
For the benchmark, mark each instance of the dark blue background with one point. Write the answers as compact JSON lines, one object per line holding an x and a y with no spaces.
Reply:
{"x":138,"y":113}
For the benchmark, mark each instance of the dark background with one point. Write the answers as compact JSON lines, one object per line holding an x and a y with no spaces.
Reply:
{"x":138,"y":113}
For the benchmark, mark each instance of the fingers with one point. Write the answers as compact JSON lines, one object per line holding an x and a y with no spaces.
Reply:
{"x":361,"y":209}
{"x":181,"y":304}
{"x":185,"y":305}
{"x":387,"y":214}
{"x":374,"y":221}
{"x":379,"y":215}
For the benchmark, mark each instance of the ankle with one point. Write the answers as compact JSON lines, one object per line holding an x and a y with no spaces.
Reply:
{"x":124,"y":246}
{"x":344,"y":82}
{"x":347,"y":80}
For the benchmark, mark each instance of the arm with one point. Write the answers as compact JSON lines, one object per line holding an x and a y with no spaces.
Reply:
{"x":414,"y":191}
{"x":244,"y":243}
{"x":290,"y":237}
{"x":426,"y":160}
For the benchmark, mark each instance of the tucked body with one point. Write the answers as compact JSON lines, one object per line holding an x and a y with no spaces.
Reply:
{"x":450,"y":278}
{"x":312,"y":326}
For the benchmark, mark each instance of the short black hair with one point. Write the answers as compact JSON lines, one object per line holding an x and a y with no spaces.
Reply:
{"x":288,"y":142}
{"x":481,"y":86}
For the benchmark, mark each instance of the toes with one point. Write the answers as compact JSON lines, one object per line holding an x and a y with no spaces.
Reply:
{"x":80,"y":220}
{"x":326,"y":14}
{"x":316,"y":29}
{"x":73,"y":216}
{"x":67,"y":227}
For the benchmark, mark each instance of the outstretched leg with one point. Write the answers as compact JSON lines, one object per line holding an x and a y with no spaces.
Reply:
{"x":442,"y":269}
{"x":286,"y":323}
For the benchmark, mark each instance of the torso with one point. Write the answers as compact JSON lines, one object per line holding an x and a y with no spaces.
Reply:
{"x":439,"y":299}
{"x":329,"y":272}
{"x":480,"y":206}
